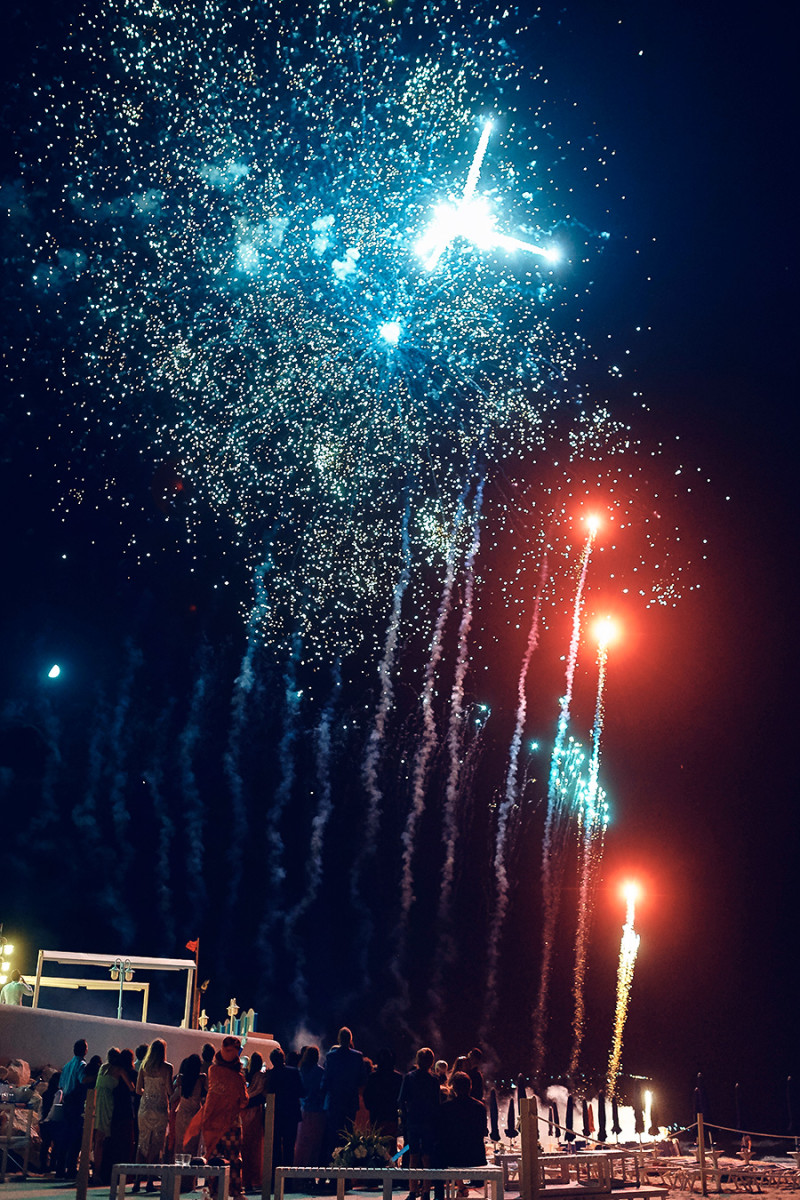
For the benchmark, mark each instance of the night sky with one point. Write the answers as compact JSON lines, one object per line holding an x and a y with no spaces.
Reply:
{"x":127,"y":829}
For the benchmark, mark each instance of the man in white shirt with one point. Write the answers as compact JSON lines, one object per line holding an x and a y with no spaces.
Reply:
{"x":15,"y":989}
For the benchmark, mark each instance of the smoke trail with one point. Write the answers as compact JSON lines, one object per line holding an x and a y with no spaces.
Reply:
{"x":455,"y":732}
{"x":292,"y":698}
{"x":242,"y":688}
{"x":117,"y":888}
{"x":374,"y":750}
{"x":628,"y":949}
{"x":552,"y":864}
{"x":275,"y":866}
{"x":505,"y":811}
{"x":428,"y":742}
{"x":455,"y":747}
{"x":84,"y":814}
{"x":193,"y":811}
{"x":422,"y":760}
{"x":594,"y":821}
{"x":319,"y":824}
{"x":48,"y":815}
{"x":153,"y":778}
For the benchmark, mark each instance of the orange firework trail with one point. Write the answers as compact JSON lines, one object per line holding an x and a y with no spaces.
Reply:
{"x":552,"y":856}
{"x":627,"y":958}
{"x":594,"y":816}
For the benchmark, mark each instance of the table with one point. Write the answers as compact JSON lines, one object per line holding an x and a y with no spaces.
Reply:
{"x":170,"y":1175}
{"x":491,"y":1176}
{"x":598,"y":1169}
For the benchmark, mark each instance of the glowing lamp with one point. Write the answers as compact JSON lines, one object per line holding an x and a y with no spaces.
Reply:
{"x":8,"y":950}
{"x":54,"y":671}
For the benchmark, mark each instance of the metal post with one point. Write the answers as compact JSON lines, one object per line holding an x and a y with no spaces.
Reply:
{"x":701,"y":1146}
{"x":189,"y":1002}
{"x":266,"y":1158}
{"x":35,"y":1001}
{"x":82,"y":1182}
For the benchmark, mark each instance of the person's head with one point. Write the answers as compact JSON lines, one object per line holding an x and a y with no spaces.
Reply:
{"x":460,"y":1064}
{"x":255,"y":1065}
{"x":190,"y":1071}
{"x":141,"y":1051}
{"x":156,"y":1056}
{"x":231,"y":1049}
{"x":126,"y":1059}
{"x":461,"y":1083}
{"x":475,"y":1056}
{"x":15,"y":976}
{"x":208,"y":1053}
{"x":384,"y":1059}
{"x":112,"y":1058}
{"x":345,"y":1037}
{"x":277,"y":1057}
{"x":80,"y":1048}
{"x":441,"y":1068}
{"x":425,"y":1058}
{"x":310,"y":1058}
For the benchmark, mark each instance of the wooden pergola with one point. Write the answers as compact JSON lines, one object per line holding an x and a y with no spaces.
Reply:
{"x":106,"y":962}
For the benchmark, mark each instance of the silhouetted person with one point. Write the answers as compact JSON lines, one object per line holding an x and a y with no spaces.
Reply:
{"x":15,"y":989}
{"x":382,"y":1094}
{"x":287,"y":1087}
{"x":344,"y":1072}
{"x":474,"y":1060}
{"x":462,"y":1127}
{"x":73,"y":1094}
{"x":419,"y":1105}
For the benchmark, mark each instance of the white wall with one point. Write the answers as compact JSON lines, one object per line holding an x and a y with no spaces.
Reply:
{"x":42,"y":1035}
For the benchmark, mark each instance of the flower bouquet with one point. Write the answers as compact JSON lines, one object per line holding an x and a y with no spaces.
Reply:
{"x":364,"y":1148}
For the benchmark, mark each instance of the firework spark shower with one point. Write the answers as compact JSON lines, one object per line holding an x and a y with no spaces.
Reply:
{"x":232,"y":222}
{"x":629,"y":948}
{"x":593,"y":822}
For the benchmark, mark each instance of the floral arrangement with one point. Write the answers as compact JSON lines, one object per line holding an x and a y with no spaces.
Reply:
{"x":364,"y":1148}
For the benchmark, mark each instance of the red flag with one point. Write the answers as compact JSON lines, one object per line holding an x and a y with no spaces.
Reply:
{"x":193,"y":946}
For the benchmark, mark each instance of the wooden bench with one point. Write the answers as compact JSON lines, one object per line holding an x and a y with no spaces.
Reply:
{"x":170,"y":1175}
{"x":634,"y":1191}
{"x":491,"y":1176}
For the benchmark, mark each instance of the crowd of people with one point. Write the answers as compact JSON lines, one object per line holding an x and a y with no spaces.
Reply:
{"x":213,"y":1105}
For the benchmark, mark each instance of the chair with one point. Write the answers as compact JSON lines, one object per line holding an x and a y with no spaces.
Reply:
{"x":13,"y":1138}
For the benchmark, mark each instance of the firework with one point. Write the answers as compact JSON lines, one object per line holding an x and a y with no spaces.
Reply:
{"x":552,"y":857}
{"x":593,"y":821}
{"x":227,"y":269}
{"x":629,"y":947}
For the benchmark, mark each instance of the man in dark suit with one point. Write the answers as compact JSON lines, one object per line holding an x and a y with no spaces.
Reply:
{"x":286,"y":1085}
{"x":344,"y":1074}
